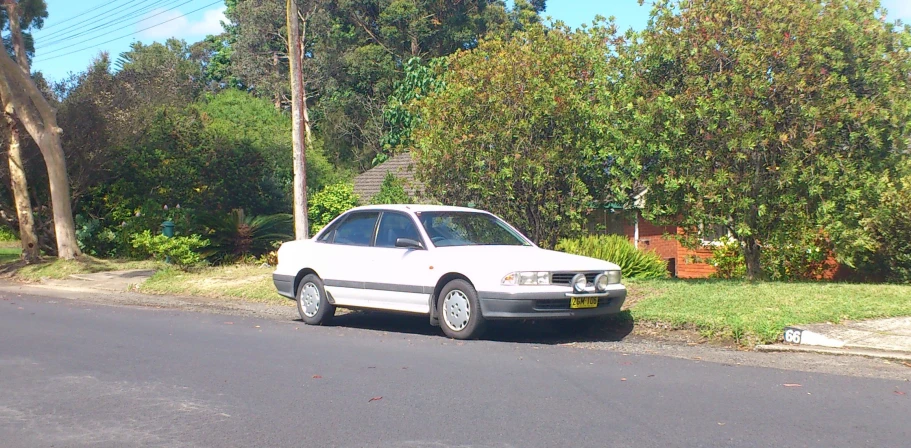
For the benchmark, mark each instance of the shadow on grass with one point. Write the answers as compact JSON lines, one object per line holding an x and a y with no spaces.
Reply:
{"x":612,"y":328}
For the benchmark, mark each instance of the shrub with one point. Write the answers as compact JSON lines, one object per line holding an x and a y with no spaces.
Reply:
{"x":392,"y":191}
{"x":727,"y":258}
{"x":234,"y":236}
{"x":806,"y":256}
{"x":7,"y":234}
{"x":330,"y":202}
{"x":180,"y":250}
{"x":617,"y":249}
{"x":891,"y":229}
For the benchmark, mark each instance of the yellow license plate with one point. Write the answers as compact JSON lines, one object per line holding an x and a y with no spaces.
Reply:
{"x":583,"y":302}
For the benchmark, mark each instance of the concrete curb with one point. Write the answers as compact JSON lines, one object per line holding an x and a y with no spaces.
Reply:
{"x":867,"y":353}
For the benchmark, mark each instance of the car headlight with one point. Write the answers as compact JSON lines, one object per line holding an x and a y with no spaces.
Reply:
{"x":526,"y":278}
{"x":613,"y":277}
{"x":601,"y":282}
{"x":579,"y":283}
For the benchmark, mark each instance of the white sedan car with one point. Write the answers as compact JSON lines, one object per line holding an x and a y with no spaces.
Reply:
{"x":460,"y":266}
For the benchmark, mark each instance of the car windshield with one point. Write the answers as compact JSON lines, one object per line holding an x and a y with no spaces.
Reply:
{"x":468,"y":229}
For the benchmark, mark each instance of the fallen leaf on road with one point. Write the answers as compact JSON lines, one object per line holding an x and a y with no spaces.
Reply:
{"x":720,"y":423}
{"x":697,"y":357}
{"x":622,"y":379}
{"x":651,"y":376}
{"x":371,"y":367}
{"x":257,"y":326}
{"x":229,"y":323}
{"x":898,"y":392}
{"x":791,"y":385}
{"x":316,"y":377}
{"x":404,"y":368}
{"x":374,"y":399}
{"x":906,"y":364}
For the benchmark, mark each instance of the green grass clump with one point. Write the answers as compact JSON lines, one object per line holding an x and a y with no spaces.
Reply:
{"x":758,"y":312}
{"x":634,"y":263}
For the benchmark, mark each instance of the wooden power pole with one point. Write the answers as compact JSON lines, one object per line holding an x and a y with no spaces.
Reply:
{"x":298,"y":121}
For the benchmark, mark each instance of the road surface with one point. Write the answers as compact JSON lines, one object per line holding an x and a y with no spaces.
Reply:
{"x":78,"y":374}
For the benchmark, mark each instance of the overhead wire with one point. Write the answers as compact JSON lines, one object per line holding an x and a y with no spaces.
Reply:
{"x":129,"y":15}
{"x":95,"y":18}
{"x":129,"y":34}
{"x":88,"y":11}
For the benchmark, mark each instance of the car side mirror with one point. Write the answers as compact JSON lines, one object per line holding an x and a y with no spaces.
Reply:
{"x":409,"y":243}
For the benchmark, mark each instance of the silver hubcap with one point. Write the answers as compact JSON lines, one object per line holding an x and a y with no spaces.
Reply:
{"x":310,"y":299}
{"x":456,"y":310}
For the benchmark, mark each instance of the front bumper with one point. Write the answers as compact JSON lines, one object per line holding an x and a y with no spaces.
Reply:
{"x":284,"y":284}
{"x":546,"y":305}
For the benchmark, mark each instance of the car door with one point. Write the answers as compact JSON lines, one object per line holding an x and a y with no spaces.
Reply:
{"x":347,"y":257}
{"x":400,"y":276}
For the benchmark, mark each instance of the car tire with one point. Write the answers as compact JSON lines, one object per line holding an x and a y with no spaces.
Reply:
{"x":313,"y":302}
{"x":460,"y":311}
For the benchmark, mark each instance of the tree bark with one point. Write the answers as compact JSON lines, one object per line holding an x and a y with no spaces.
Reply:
{"x":751,"y":255}
{"x":27,"y":236}
{"x":25,"y":102}
{"x":298,"y":129}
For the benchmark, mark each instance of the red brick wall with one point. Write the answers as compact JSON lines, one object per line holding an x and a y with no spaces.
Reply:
{"x":692,"y":263}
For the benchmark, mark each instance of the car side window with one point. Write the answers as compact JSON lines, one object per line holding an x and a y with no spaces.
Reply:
{"x":394,"y":226}
{"x":357,"y":230}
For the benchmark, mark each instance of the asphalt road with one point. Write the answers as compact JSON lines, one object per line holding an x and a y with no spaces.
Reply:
{"x":82,"y":374}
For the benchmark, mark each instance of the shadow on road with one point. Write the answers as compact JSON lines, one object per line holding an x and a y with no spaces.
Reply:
{"x":613,"y":328}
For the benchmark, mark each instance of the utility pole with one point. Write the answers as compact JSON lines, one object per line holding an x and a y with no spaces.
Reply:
{"x":298,"y":120}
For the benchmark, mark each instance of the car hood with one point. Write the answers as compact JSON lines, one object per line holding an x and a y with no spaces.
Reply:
{"x":522,"y":258}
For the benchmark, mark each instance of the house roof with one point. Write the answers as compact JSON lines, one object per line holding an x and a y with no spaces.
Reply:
{"x":368,"y":183}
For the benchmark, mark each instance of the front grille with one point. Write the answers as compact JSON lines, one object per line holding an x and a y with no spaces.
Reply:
{"x":564,"y":278}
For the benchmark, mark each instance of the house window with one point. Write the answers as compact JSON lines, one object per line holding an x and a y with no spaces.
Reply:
{"x":711,"y":233}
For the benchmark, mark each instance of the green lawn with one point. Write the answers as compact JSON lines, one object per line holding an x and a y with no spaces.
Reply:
{"x":757,"y":312}
{"x":9,"y":252}
{"x":246,"y":282}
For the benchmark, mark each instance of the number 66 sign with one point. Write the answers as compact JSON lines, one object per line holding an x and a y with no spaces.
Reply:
{"x":792,"y":335}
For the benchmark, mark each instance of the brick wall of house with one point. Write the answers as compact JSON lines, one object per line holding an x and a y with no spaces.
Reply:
{"x":691,"y":263}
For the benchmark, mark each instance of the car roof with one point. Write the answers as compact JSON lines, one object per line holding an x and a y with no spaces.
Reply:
{"x":417,"y":208}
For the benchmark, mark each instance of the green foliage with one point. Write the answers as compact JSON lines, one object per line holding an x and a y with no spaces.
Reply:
{"x":727,"y":258}
{"x":764,"y":115}
{"x":8,"y":235}
{"x":234,"y":236}
{"x":805,"y":255}
{"x":392,"y":191}
{"x":180,"y":250}
{"x":890,"y":227}
{"x":328,"y":203}
{"x":419,"y":81}
{"x":515,"y":129}
{"x":634,"y":263}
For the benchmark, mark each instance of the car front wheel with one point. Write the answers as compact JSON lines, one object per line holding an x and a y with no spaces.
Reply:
{"x":313,"y":302}
{"x":460,"y":311}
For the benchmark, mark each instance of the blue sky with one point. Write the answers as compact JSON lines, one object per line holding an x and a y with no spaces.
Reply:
{"x":77,"y":31}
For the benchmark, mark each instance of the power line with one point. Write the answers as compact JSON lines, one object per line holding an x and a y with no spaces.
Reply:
{"x":78,"y":28}
{"x":84,"y":13}
{"x":120,"y":19}
{"x":130,"y":34}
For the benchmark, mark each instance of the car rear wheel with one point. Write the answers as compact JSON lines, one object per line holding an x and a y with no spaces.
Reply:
{"x":460,"y":311}
{"x":313,"y":302}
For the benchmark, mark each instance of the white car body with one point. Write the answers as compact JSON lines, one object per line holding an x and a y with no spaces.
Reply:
{"x":408,"y":279}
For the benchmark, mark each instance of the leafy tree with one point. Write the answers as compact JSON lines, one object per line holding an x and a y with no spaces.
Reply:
{"x":419,"y":80}
{"x":328,"y":203}
{"x":516,"y":126}
{"x":765,"y":116}
{"x":391,"y":192}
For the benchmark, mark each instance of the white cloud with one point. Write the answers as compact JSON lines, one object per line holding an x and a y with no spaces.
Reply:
{"x":165,"y":24}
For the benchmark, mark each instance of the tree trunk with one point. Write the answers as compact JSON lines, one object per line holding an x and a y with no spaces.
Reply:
{"x":751,"y":254}
{"x":27,"y":236}
{"x":25,"y":102}
{"x":298,"y":137}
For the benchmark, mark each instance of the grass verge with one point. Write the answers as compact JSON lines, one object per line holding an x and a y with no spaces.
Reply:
{"x":60,"y":269}
{"x":9,"y":253}
{"x":756,"y":313}
{"x":245,"y":282}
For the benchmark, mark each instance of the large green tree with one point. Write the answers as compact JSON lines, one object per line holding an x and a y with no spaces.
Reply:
{"x":764,"y":116}
{"x":515,"y":128}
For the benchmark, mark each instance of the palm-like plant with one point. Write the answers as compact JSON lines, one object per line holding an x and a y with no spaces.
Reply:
{"x":235,"y":235}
